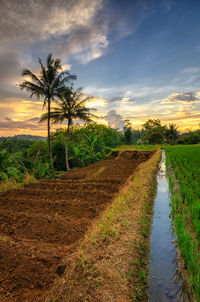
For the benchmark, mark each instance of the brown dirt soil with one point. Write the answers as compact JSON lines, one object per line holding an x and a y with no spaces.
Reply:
{"x":114,"y":252}
{"x":43,"y":222}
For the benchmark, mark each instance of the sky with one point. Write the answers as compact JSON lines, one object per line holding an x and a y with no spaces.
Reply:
{"x":139,"y":59}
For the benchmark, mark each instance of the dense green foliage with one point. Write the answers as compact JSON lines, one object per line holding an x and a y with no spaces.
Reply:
{"x":14,"y":145}
{"x":87,"y":144}
{"x":27,"y":137}
{"x":185,"y":162}
{"x":154,"y":132}
{"x":127,"y":132}
{"x":131,"y":136}
{"x":189,"y":138}
{"x":11,"y":165}
{"x":171,"y":134}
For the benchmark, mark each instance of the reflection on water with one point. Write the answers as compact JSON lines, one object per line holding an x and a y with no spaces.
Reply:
{"x":164,"y":280}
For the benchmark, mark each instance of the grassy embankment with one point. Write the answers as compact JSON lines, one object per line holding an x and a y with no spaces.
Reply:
{"x":183,"y":164}
{"x":112,"y":261}
{"x":136,"y":147}
{"x":11,"y":184}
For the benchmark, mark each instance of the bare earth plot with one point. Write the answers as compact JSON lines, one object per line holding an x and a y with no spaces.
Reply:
{"x":43,"y":222}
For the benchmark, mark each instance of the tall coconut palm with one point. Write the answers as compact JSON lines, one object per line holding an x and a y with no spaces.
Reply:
{"x":171,"y":133}
{"x":71,"y":106}
{"x":47,"y":84}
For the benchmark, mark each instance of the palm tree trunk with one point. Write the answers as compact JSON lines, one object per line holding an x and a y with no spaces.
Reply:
{"x":49,"y":137}
{"x":66,"y":149}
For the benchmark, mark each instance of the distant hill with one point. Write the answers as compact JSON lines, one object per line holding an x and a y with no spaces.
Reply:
{"x":24,"y":137}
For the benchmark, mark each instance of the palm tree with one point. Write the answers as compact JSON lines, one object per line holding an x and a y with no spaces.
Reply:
{"x":71,"y":106}
{"x":48,"y":84}
{"x":171,"y":133}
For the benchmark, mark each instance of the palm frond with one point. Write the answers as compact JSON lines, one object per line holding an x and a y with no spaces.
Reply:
{"x":43,"y":71}
{"x":34,"y":78}
{"x":63,"y":78}
{"x":33,"y":88}
{"x":43,"y":117}
{"x":50,"y":60}
{"x":70,"y":106}
{"x":57,"y":64}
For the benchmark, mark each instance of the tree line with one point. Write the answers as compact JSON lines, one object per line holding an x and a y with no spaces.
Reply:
{"x":153,"y":132}
{"x":86,"y":144}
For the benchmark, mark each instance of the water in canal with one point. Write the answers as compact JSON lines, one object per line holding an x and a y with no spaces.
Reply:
{"x":164,"y":279}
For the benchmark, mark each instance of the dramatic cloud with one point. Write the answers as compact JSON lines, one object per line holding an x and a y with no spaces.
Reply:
{"x":10,"y":126}
{"x":187,"y":97}
{"x":114,"y":119}
{"x":26,"y":18}
{"x":71,"y":29}
{"x":10,"y":66}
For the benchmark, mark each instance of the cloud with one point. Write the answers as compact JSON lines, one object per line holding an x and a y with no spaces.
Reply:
{"x":85,"y":43}
{"x":19,"y":109}
{"x":66,"y":67}
{"x":10,"y":66}
{"x":114,"y":119}
{"x":26,"y":18}
{"x":34,"y":119}
{"x":189,"y":117}
{"x":69,"y":27}
{"x":120,"y":99}
{"x":183,"y":97}
{"x":135,"y":92}
{"x":79,"y":30}
{"x":13,"y":125}
{"x":95,"y":102}
{"x":188,"y":76}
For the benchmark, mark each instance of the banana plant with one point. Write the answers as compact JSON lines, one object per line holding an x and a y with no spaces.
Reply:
{"x":11,"y":166}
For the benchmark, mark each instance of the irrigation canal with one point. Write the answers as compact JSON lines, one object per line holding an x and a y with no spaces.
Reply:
{"x":165,"y":283}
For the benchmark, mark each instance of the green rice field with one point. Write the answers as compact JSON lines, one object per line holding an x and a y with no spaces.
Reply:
{"x":185,"y":164}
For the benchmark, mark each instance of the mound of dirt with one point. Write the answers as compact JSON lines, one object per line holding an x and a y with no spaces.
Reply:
{"x":43,"y":222}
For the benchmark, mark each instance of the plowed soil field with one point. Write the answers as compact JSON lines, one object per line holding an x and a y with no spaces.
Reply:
{"x":43,"y":222}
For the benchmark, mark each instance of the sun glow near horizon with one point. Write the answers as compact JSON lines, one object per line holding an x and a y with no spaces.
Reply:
{"x":95,"y":102}
{"x":22,"y":115}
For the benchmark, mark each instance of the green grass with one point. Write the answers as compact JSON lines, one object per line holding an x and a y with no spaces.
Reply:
{"x":136,"y":147}
{"x":185,"y":161}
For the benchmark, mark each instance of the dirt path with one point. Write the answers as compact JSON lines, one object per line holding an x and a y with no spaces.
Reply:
{"x":43,"y":222}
